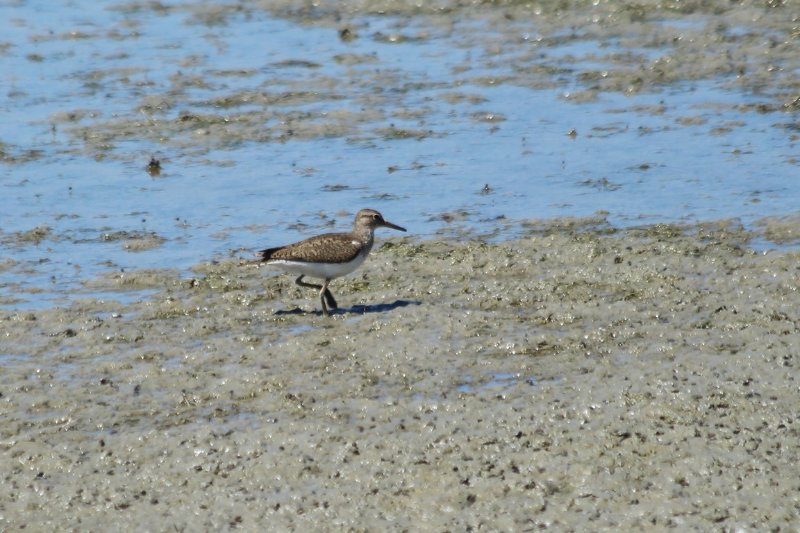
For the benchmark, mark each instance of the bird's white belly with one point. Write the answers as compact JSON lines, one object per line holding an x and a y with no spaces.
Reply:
{"x":318,"y":270}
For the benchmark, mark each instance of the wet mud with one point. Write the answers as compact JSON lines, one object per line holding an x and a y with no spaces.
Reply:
{"x":581,"y":377}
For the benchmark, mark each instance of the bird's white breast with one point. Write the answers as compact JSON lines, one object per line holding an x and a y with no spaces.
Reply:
{"x":318,"y":270}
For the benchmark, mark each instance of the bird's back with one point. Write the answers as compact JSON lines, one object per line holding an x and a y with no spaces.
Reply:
{"x":326,"y":248}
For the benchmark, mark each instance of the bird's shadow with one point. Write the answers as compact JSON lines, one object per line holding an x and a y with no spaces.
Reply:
{"x":356,"y":309}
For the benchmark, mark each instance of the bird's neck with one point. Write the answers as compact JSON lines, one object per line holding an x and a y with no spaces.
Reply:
{"x":364,"y":234}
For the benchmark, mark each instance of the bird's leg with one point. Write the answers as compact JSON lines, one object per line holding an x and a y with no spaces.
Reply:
{"x":302,"y":283}
{"x":323,"y":295}
{"x":324,"y":292}
{"x":329,"y":297}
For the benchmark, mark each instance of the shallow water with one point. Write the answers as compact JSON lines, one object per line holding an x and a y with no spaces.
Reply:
{"x":269,"y":128}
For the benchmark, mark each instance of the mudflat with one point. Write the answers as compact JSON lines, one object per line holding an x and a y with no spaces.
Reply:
{"x":580,"y":377}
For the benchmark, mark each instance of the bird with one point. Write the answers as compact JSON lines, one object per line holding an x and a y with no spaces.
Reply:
{"x":328,"y":256}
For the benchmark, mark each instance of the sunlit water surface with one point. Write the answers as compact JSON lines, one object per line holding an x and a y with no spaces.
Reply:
{"x":478,"y":167}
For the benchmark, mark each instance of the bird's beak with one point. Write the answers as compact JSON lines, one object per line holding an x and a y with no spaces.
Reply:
{"x":393,"y":226}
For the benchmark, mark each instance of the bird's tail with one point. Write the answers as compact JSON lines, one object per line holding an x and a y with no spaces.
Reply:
{"x":262,"y":256}
{"x":266,"y":255}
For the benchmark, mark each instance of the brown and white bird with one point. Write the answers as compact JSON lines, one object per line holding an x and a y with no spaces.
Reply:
{"x":329,"y":256}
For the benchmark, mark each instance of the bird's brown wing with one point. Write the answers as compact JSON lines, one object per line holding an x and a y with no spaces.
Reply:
{"x":328,"y":248}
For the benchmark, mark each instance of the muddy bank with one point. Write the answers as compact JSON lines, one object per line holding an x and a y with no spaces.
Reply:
{"x":581,"y":377}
